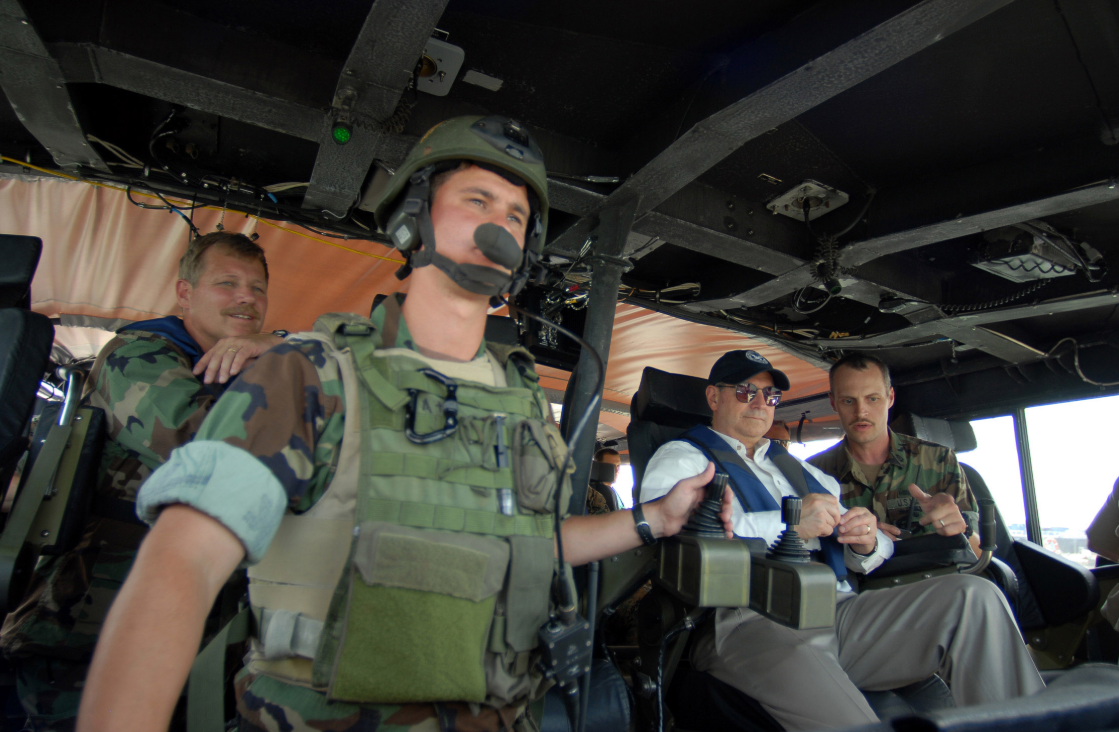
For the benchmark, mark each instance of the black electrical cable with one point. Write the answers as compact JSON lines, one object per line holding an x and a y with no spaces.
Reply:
{"x":686,"y":624}
{"x":128,"y":192}
{"x":1076,"y":362}
{"x":596,"y":395}
{"x":990,"y":304}
{"x":857,"y":219}
{"x":171,"y":205}
{"x":804,"y":210}
{"x":797,"y":302}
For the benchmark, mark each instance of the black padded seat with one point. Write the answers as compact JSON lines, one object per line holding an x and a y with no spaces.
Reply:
{"x":664,"y":406}
{"x":25,"y":346}
{"x":21,"y":257}
{"x":1083,"y":699}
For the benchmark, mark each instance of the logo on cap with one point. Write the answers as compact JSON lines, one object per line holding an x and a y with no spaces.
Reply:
{"x":756,"y":357}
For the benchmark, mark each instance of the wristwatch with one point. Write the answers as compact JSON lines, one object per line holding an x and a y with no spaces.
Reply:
{"x":642,"y":526}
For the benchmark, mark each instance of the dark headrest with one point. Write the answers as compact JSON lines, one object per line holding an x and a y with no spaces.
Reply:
{"x":17,"y":267}
{"x":956,"y":434}
{"x":674,"y":400}
{"x":25,"y":347}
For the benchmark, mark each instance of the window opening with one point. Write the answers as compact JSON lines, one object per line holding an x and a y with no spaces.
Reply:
{"x":1075,"y":464}
{"x":996,"y":461}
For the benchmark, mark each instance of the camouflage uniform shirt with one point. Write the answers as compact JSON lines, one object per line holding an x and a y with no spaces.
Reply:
{"x":288,"y":412}
{"x":933,"y":468}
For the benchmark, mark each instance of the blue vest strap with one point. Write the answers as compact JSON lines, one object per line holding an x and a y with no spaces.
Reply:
{"x":752,"y":493}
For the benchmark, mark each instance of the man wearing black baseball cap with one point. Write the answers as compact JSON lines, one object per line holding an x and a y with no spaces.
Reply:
{"x":957,"y":626}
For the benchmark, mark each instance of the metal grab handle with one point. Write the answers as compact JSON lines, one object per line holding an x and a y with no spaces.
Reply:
{"x":75,"y":379}
{"x":988,"y":541}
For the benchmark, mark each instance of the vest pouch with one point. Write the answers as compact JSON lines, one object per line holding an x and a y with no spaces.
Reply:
{"x":530,"y":589}
{"x":417,"y":618}
{"x":538,"y":451}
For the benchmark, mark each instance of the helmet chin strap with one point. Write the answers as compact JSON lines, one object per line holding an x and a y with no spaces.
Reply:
{"x":475,"y":278}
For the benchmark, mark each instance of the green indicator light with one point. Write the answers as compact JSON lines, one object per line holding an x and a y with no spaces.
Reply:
{"x":341,"y":133}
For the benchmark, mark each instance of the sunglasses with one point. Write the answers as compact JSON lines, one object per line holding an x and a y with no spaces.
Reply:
{"x":745,"y":393}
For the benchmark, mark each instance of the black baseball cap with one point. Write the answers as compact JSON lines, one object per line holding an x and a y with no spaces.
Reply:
{"x":734,"y":367}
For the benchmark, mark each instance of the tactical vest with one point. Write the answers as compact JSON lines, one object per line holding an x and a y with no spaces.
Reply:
{"x":424,"y":571}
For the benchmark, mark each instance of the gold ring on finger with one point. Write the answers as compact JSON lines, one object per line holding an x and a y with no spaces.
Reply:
{"x":233,"y":350}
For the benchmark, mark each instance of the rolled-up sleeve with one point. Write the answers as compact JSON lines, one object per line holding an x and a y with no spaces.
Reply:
{"x":225,"y":483}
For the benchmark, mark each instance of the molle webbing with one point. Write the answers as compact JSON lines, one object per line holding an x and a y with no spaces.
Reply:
{"x":449,"y":518}
{"x":390,"y":388}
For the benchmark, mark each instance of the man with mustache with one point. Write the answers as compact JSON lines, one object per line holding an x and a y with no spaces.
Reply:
{"x":156,"y":381}
{"x":958,"y":626}
{"x":912,"y":486}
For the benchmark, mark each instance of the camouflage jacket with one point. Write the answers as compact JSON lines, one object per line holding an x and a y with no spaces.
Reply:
{"x":933,"y":468}
{"x":153,"y":404}
{"x":289,"y":412}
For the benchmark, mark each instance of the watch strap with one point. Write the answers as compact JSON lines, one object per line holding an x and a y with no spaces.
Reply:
{"x":642,"y":526}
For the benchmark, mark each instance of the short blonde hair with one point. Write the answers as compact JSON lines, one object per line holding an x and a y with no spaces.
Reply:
{"x":239,"y":245}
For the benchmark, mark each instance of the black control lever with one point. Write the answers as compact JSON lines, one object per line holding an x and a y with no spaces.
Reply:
{"x":705,"y":521}
{"x":988,"y":541}
{"x":789,"y":547}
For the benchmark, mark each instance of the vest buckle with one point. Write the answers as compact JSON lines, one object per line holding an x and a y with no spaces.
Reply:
{"x":450,"y":411}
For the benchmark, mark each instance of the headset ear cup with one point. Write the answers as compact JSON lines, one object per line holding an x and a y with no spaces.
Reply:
{"x":402,"y":230}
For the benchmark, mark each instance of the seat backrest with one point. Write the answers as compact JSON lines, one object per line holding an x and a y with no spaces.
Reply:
{"x":1026,"y":608}
{"x":21,"y":257}
{"x":956,"y":434}
{"x":25,"y":347}
{"x":664,"y":406}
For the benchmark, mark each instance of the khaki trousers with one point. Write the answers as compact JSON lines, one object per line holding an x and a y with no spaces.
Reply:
{"x":957,"y":626}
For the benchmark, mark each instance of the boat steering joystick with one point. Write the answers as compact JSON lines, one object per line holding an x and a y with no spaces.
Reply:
{"x":789,"y":547}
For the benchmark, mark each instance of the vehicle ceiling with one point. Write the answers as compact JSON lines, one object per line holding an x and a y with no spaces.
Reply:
{"x":946,"y":122}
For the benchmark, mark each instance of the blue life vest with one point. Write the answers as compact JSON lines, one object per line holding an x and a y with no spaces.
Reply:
{"x":752,"y":493}
{"x":172,"y":329}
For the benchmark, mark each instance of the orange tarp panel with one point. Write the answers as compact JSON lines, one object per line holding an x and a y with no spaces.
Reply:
{"x":103,"y":256}
{"x":644,"y":338}
{"x":106,"y":258}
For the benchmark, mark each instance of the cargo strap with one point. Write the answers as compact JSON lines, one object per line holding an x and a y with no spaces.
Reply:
{"x":206,"y":690}
{"x":450,"y":518}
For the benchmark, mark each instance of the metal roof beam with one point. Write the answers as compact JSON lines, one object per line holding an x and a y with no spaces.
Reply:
{"x":960,"y":324}
{"x":84,"y":62}
{"x":860,"y":254}
{"x":36,"y":89}
{"x":376,"y":73}
{"x":792,"y":82}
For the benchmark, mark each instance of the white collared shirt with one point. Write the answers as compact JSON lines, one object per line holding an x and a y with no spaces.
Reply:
{"x":677,"y":460}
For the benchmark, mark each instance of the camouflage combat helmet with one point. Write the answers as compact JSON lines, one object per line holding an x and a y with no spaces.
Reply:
{"x":403,"y":208}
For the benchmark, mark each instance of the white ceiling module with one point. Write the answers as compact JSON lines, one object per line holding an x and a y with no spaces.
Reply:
{"x":820,"y":199}
{"x":439,"y":67}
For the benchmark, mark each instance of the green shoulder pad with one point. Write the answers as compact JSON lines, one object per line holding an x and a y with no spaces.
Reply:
{"x":331,"y":323}
{"x":519,"y":356}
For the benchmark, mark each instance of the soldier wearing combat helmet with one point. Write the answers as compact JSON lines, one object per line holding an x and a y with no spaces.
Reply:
{"x":391,"y":482}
